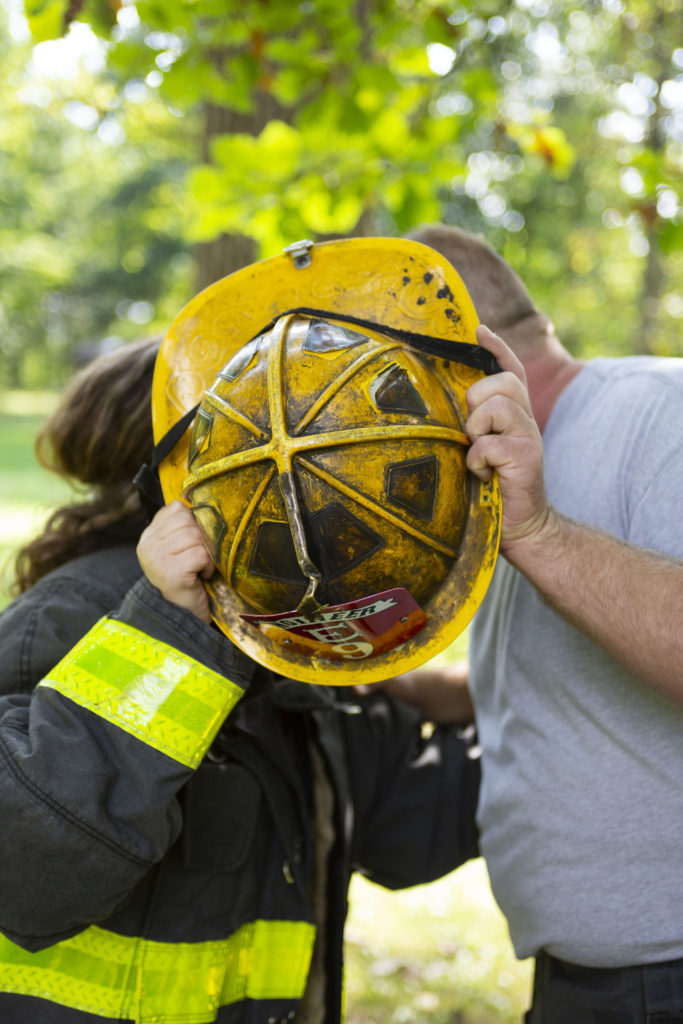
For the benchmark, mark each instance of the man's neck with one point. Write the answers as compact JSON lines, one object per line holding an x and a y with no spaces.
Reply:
{"x":547,"y":377}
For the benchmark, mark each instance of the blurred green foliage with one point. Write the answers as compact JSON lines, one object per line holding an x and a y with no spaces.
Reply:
{"x":28,"y":493}
{"x":439,"y":953}
{"x":555,"y":129}
{"x":91,"y":244}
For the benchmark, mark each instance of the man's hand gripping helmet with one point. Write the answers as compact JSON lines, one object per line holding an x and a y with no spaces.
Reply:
{"x":326,"y":461}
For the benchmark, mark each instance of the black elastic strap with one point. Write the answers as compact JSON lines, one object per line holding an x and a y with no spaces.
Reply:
{"x":455,"y":351}
{"x":147,"y":477}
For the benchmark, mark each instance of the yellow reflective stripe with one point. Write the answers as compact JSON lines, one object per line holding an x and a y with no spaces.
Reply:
{"x":166,"y":699}
{"x":119,"y":976}
{"x":89,"y":972}
{"x":286,"y":946}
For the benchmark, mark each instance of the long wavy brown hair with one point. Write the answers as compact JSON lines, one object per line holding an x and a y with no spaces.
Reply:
{"x":97,"y":439}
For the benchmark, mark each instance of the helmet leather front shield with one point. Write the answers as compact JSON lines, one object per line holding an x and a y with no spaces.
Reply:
{"x":326,"y":466}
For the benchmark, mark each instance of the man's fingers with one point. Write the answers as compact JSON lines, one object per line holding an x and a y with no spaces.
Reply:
{"x":510,"y":382}
{"x":507,"y":360}
{"x":498,"y":451}
{"x":505,"y":437}
{"x":506,"y":384}
{"x":499,"y":414}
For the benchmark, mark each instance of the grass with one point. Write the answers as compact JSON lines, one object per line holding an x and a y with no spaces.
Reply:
{"x":28,"y":493}
{"x":438,"y":953}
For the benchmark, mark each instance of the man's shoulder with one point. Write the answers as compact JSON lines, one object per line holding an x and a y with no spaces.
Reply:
{"x":639,"y":372}
{"x":644,"y":392}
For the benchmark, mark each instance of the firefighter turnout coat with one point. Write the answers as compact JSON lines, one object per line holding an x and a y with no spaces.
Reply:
{"x":179,"y":827}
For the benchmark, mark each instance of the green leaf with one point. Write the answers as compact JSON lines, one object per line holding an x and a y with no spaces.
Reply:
{"x":411,"y":61}
{"x":131,"y":58}
{"x":438,"y":29}
{"x":670,"y":236}
{"x":101,"y":15}
{"x":279,"y":149}
{"x":46,"y":19}
{"x":326,"y":213}
{"x":391,"y":131}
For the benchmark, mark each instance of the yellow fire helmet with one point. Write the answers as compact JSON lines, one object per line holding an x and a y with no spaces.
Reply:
{"x":325,"y":464}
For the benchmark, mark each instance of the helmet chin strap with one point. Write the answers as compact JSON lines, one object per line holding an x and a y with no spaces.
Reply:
{"x":454,"y":351}
{"x":146,"y":479}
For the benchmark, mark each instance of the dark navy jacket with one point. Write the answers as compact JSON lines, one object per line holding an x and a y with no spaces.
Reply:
{"x":136,"y":888}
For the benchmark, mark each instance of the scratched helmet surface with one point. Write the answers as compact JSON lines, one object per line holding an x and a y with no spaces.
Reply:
{"x":326,"y":465}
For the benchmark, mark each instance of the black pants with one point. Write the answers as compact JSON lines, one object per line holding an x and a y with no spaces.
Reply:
{"x":567,"y":994}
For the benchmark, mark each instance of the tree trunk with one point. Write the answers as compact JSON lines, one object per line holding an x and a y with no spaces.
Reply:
{"x":227,"y":253}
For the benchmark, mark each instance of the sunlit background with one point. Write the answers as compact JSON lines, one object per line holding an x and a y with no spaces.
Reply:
{"x":148,"y":149}
{"x":135,"y":155}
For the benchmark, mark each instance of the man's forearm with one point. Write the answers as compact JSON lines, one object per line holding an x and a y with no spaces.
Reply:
{"x":625,"y":598}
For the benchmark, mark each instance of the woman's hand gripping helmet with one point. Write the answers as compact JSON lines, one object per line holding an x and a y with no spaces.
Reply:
{"x":326,"y":463}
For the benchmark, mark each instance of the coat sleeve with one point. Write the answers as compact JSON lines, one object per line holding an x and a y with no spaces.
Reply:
{"x":414,"y":790}
{"x":92,"y":758}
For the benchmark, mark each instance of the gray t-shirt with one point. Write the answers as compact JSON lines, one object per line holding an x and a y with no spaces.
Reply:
{"x":581,"y":810}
